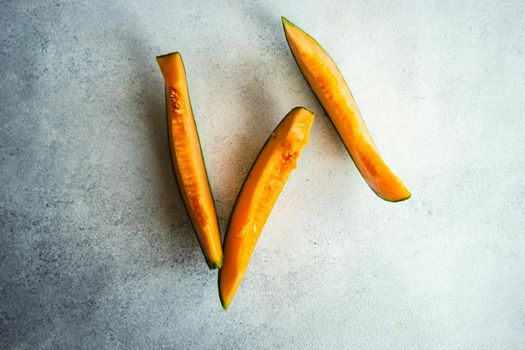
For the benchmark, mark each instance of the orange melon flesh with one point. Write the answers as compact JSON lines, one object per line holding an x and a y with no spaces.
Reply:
{"x":331,"y":89}
{"x":187,"y":159}
{"x":258,"y":195}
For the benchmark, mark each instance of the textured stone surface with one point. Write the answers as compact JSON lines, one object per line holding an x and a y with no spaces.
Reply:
{"x":96,"y":251}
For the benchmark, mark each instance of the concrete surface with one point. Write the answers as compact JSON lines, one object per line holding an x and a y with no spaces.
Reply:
{"x":96,"y":251}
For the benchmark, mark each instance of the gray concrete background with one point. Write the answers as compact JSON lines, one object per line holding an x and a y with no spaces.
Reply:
{"x":96,"y":251}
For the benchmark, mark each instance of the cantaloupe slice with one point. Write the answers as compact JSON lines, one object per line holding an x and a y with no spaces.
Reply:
{"x":258,"y":195}
{"x":187,"y":159}
{"x":331,"y":89}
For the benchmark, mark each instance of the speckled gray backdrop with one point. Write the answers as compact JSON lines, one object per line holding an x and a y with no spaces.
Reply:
{"x":96,"y":251}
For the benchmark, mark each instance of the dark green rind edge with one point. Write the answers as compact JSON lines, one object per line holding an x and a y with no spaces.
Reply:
{"x":174,"y":53}
{"x":286,"y":22}
{"x":223,"y":303}
{"x":215,"y":265}
{"x":211,"y":264}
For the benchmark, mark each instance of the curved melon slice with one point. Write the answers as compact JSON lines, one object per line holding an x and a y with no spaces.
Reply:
{"x":331,"y":89}
{"x":188,"y":163}
{"x":258,"y":195}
